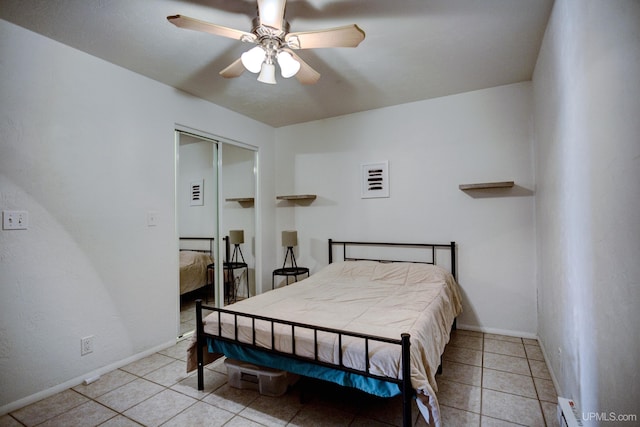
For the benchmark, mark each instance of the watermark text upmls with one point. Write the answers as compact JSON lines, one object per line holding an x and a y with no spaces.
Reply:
{"x":609,"y":417}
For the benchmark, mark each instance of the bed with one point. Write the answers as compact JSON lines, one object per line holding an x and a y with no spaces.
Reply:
{"x":378,"y":325}
{"x":196,"y":255}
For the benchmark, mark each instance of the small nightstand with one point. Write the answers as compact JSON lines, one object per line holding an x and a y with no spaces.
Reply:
{"x":288,"y":272}
{"x":231,"y":284}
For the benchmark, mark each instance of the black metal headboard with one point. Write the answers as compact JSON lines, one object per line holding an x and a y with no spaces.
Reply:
{"x":431,"y":247}
{"x":199,"y":239}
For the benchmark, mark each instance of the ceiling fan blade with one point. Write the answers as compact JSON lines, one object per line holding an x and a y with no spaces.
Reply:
{"x":306,"y":75}
{"x":206,"y":27}
{"x":347,"y":36}
{"x":234,"y":70}
{"x":271,"y":12}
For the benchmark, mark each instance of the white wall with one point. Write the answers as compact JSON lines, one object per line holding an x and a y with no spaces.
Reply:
{"x":587,"y":106}
{"x":88,"y":149}
{"x":432,"y":147}
{"x":196,"y":163}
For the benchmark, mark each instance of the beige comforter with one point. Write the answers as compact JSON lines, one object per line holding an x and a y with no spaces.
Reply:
{"x":382,"y":299}
{"x":193,"y":270}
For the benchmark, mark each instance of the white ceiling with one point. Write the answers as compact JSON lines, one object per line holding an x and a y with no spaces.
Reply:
{"x":413,"y":50}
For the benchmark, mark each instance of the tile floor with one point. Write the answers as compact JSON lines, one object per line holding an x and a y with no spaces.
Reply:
{"x":487,"y":380}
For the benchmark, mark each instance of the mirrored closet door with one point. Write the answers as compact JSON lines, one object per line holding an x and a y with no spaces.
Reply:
{"x":216,"y":222}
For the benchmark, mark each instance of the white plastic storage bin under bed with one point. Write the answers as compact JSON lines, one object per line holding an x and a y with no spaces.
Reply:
{"x":268,"y":381}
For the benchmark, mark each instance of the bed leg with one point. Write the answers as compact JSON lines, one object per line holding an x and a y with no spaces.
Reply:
{"x":407,"y":389}
{"x":200,"y":344}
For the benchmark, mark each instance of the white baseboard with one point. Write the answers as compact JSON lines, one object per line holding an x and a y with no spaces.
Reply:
{"x":13,"y":406}
{"x":554,"y":379}
{"x":496,"y":331}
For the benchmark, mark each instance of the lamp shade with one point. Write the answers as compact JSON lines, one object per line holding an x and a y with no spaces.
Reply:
{"x":289,"y":238}
{"x":236,"y":237}
{"x":253,"y":58}
{"x":267,"y":73}
{"x":288,"y":66}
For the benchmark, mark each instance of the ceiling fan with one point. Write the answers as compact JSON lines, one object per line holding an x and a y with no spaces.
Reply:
{"x":275,"y":43}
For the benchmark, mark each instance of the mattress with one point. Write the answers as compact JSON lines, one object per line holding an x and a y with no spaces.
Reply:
{"x":193,"y":270}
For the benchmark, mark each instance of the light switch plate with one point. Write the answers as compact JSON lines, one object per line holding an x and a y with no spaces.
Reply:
{"x":15,"y":220}
{"x":152,"y":219}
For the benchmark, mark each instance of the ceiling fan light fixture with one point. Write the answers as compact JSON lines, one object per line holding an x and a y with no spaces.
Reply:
{"x":267,"y":73}
{"x":253,"y":59}
{"x":289,"y":67}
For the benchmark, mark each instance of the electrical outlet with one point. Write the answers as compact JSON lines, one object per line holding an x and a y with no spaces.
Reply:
{"x":86,"y":345}
{"x":15,"y":220}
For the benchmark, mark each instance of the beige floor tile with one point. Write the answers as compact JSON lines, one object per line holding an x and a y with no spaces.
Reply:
{"x":468,"y":332}
{"x":188,"y":315}
{"x":466,"y":341}
{"x":106,"y":383}
{"x":463,"y":355}
{"x":502,"y":362}
{"x":9,"y":421}
{"x":178,"y":351}
{"x":494,"y":422}
{"x":503,"y":338}
{"x":530,"y":341}
{"x":120,"y":421}
{"x":200,"y":414}
{"x":86,"y":415}
{"x":159,"y":408}
{"x":189,"y":385}
{"x":272,"y":411}
{"x":148,"y":364}
{"x":230,"y":398}
{"x":509,"y":407}
{"x":167,"y":395}
{"x":459,"y":396}
{"x":457,"y":417}
{"x":534,"y":352}
{"x":546,"y":390}
{"x":129,"y":394}
{"x":539,"y":369}
{"x":550,"y":412}
{"x":238,"y":421}
{"x":48,"y":408}
{"x":187,"y":327}
{"x":504,"y":347}
{"x":169,"y":375}
{"x":461,"y":373}
{"x":521,"y":385}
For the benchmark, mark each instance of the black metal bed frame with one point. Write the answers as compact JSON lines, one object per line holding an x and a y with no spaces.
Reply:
{"x":404,"y":342}
{"x":433,"y":246}
{"x":210,"y":239}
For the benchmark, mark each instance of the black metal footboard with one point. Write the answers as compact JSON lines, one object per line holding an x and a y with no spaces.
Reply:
{"x":403,"y":344}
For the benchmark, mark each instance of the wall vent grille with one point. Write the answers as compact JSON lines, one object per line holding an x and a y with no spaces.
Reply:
{"x":197,"y":193}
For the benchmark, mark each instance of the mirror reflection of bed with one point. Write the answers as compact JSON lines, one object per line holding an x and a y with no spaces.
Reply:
{"x":197,"y":277}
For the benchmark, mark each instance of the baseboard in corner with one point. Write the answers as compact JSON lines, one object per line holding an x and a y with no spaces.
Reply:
{"x":554,"y":378}
{"x":28,"y":400}
{"x":496,"y":331}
